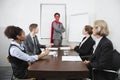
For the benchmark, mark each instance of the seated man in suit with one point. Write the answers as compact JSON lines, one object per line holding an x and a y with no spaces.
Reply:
{"x":31,"y":43}
{"x":86,"y":45}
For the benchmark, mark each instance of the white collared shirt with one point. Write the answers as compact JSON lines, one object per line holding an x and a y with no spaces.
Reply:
{"x":32,"y":37}
{"x":97,"y":40}
{"x":16,"y":52}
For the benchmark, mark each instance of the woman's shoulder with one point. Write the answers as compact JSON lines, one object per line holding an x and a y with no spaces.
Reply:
{"x":106,"y":42}
{"x":91,"y":39}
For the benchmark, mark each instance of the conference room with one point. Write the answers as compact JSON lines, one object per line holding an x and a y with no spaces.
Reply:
{"x":60,"y":60}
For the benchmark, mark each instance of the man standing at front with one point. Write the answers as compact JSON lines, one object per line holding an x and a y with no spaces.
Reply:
{"x":56,"y":31}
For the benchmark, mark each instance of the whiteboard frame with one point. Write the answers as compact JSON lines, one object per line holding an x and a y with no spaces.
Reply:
{"x":70,"y":25}
{"x":53,"y":15}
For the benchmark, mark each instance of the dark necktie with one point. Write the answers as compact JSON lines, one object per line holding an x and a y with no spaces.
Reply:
{"x":34,"y":40}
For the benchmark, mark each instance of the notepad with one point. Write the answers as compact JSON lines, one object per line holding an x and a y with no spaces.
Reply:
{"x":71,"y":58}
{"x":52,"y":52}
{"x":64,"y":48}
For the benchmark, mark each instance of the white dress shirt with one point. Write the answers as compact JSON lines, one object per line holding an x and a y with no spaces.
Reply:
{"x":16,"y":52}
{"x":32,"y":37}
{"x":97,"y":40}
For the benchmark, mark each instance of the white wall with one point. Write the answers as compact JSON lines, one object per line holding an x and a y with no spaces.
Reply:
{"x":24,"y":12}
{"x":4,"y":45}
{"x":109,"y":10}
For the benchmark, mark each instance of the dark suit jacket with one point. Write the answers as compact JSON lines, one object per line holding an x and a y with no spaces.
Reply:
{"x":86,"y":48}
{"x":102,"y":59}
{"x":29,"y":45}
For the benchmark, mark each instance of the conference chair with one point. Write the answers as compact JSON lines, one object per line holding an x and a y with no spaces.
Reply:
{"x":115,"y":65}
{"x":14,"y":78}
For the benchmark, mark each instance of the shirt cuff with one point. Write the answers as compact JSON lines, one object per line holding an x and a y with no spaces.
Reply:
{"x":36,"y":57}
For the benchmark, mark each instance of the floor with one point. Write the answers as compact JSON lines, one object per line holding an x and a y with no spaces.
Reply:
{"x":5,"y":73}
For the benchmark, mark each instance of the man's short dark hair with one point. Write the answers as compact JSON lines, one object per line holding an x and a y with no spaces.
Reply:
{"x":57,"y":14}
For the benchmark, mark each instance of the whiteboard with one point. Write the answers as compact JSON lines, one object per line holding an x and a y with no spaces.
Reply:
{"x":77,"y":23}
{"x":47,"y":16}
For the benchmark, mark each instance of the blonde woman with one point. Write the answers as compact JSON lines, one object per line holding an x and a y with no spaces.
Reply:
{"x":101,"y":58}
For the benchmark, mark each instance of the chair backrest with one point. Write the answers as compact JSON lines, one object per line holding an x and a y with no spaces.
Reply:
{"x":116,"y":60}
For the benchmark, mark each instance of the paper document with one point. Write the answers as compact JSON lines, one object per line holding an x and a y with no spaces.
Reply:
{"x":52,"y":48}
{"x":71,"y":58}
{"x":64,"y":48}
{"x":52,"y":53}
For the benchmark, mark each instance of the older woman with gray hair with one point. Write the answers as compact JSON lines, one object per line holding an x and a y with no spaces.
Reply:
{"x":102,"y":56}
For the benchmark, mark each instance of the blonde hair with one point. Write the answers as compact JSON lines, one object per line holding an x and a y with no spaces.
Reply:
{"x":101,"y":28}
